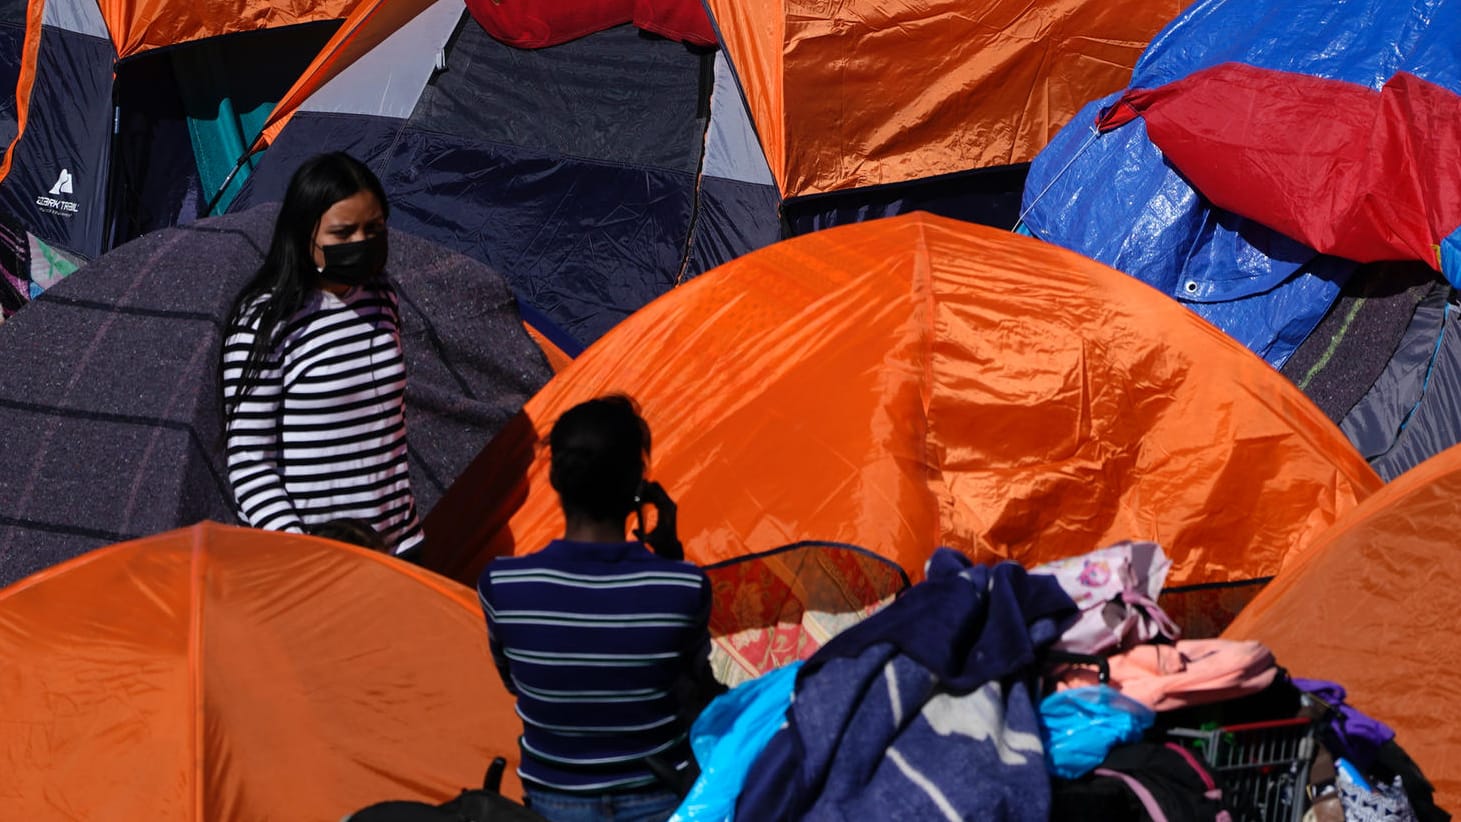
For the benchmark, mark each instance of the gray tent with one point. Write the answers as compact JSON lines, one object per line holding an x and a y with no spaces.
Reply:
{"x":1385,"y":365}
{"x":109,"y":402}
{"x":1413,"y":411}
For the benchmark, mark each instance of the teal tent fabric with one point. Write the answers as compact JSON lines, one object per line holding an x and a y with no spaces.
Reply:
{"x":228,"y":86}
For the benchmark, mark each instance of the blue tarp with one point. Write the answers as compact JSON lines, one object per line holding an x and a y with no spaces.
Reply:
{"x":1113,"y":197}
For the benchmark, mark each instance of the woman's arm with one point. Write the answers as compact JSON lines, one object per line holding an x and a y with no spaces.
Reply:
{"x":251,"y":420}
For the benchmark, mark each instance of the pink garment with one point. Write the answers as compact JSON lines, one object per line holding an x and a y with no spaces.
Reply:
{"x":1116,"y":589}
{"x":1191,"y":672}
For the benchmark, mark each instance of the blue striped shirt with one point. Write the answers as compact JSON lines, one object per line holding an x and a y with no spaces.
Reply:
{"x":592,"y":639}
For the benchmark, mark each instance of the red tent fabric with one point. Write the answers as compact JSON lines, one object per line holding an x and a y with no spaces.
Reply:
{"x":1361,"y":174}
{"x":683,"y":20}
{"x":533,"y":24}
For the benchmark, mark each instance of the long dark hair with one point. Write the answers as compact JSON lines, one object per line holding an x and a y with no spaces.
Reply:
{"x":288,"y":274}
{"x":599,"y":449}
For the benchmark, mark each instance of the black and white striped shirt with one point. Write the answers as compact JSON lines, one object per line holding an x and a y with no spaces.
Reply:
{"x":320,"y":432}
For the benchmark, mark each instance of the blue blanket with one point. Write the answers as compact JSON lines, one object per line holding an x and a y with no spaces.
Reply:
{"x":924,"y":711}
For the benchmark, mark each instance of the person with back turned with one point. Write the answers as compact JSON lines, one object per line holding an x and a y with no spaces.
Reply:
{"x":603,"y":641}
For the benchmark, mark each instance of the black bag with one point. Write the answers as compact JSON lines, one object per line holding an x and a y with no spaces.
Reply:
{"x":1141,"y":781}
{"x":485,"y":805}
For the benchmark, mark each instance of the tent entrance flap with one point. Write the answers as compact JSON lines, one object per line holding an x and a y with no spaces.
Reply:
{"x":12,"y":43}
{"x":207,"y":101}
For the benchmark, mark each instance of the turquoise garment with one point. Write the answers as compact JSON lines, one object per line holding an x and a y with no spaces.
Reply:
{"x":223,"y":116}
{"x":229,"y":87}
{"x":728,"y":736}
{"x":1080,"y":726}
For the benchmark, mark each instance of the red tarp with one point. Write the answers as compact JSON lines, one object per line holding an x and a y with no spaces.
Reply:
{"x":533,"y":24}
{"x":1361,"y":174}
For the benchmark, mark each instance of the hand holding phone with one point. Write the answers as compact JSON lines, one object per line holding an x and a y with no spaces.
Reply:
{"x":663,"y":539}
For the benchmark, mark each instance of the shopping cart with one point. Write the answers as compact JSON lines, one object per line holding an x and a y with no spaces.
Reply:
{"x":1264,"y":766}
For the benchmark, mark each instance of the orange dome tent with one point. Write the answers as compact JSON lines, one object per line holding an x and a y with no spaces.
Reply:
{"x":224,"y":673}
{"x":916,"y":381}
{"x":1372,"y":605}
{"x":917,"y":89}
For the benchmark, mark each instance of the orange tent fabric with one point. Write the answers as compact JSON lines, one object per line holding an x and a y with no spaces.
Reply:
{"x":913,"y":382}
{"x":558,"y":359}
{"x":865,"y":92}
{"x":25,"y":83}
{"x":224,"y":673}
{"x":1373,"y":607}
{"x":140,"y":25}
{"x":371,"y":22}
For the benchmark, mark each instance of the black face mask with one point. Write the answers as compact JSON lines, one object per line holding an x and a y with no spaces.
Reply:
{"x":355,"y":263}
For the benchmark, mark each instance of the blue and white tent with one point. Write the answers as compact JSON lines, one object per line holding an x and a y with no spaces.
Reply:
{"x":595,"y":175}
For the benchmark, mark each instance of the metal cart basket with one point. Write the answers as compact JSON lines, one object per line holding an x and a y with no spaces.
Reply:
{"x":1264,"y":766}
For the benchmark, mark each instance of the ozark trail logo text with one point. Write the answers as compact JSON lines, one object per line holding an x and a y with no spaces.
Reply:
{"x":51,"y":201}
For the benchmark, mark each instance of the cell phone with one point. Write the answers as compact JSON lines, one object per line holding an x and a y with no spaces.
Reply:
{"x":641,"y":496}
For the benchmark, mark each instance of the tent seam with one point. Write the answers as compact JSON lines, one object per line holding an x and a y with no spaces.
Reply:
{"x":195,"y":652}
{"x":25,"y":84}
{"x":697,"y":200}
{"x":923,"y":289}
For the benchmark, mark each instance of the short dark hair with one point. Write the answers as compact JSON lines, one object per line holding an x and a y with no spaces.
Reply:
{"x":351,"y":530}
{"x":599,"y":449}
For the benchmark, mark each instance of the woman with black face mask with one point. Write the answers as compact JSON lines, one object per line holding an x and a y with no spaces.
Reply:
{"x":313,"y":381}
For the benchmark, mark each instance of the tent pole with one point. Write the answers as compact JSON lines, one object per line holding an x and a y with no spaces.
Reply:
{"x":227,"y":181}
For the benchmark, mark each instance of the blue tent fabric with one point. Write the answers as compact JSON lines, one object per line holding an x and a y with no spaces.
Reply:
{"x":1413,"y":411}
{"x":580,"y":178}
{"x":731,"y":218}
{"x":1114,"y":198}
{"x":555,"y":225}
{"x":615,"y":96}
{"x":988,"y":196}
{"x":63,"y":143}
{"x":924,"y":710}
{"x":12,"y":41}
{"x":1360,"y":41}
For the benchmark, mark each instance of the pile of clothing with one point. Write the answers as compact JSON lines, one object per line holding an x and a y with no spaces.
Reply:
{"x":1059,"y":692}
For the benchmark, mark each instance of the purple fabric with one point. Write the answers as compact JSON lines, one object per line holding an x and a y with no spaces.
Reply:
{"x":1359,"y":735}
